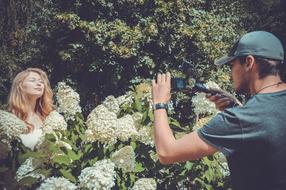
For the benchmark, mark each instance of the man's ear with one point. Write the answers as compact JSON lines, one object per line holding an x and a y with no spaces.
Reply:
{"x":249,"y":62}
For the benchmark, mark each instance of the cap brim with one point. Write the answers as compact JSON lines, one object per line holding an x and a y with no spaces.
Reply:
{"x":224,"y":60}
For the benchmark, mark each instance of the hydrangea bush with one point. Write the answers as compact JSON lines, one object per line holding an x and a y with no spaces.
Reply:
{"x":112,"y":149}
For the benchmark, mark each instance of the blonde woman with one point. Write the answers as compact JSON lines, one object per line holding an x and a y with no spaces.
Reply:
{"x":31,"y":99}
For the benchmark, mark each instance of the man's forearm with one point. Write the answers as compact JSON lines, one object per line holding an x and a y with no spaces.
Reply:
{"x":164,"y":137}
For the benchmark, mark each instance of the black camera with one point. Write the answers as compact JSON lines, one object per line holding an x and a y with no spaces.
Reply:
{"x":181,"y":84}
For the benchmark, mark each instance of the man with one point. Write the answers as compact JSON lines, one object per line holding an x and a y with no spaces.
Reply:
{"x":252,"y":136}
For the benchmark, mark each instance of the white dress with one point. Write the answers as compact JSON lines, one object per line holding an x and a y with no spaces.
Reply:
{"x":32,"y":138}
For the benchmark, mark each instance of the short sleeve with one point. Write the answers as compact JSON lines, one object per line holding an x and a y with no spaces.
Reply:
{"x":223,"y":132}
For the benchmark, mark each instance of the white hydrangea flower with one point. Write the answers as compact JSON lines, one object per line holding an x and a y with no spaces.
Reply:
{"x":137,"y":117}
{"x":26,"y":170}
{"x":224,"y":169}
{"x":68,"y":101}
{"x":125,"y":128}
{"x":145,"y":184}
{"x":202,"y":105}
{"x":124,"y":159}
{"x":57,"y":183}
{"x":10,"y":127}
{"x":101,"y":125}
{"x":111,"y":103}
{"x":126,"y":99}
{"x":54,"y":122}
{"x":223,"y":164}
{"x":153,"y":155}
{"x":146,"y":136}
{"x":212,"y":84}
{"x":100,"y":176}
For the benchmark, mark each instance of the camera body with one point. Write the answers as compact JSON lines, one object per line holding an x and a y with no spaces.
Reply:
{"x":181,"y":84}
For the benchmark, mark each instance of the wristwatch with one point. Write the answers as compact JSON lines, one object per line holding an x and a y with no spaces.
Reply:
{"x":160,"y":106}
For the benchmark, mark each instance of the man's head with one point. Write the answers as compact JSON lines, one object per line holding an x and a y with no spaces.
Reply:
{"x":254,"y":53}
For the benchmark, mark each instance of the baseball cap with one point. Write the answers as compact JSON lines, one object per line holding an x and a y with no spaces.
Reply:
{"x":258,"y":43}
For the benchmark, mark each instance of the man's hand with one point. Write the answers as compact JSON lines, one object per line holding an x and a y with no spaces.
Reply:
{"x":161,"y":90}
{"x":222,"y":99}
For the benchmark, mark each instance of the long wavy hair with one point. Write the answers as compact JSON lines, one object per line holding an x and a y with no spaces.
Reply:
{"x":18,"y":102}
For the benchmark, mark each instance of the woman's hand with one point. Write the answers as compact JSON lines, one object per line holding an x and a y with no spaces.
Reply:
{"x":161,"y":90}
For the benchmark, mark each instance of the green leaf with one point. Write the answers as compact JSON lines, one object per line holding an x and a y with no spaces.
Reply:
{"x":28,"y":181}
{"x":67,"y":174}
{"x":24,"y":156}
{"x":44,"y":172}
{"x":139,"y":168}
{"x":73,"y":155}
{"x":138,"y":104}
{"x":189,"y":165}
{"x":62,"y":159}
{"x":133,"y":144}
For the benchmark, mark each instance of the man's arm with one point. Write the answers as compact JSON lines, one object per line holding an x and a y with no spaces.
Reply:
{"x":170,"y":150}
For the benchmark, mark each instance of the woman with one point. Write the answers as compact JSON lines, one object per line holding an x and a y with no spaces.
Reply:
{"x":30,"y":99}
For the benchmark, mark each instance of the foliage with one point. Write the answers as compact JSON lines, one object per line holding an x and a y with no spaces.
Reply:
{"x":115,"y":42}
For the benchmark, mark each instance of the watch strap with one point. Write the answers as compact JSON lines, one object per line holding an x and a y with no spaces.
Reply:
{"x":160,"y":106}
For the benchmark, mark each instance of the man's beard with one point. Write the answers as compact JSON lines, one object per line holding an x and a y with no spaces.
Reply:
{"x":243,"y":88}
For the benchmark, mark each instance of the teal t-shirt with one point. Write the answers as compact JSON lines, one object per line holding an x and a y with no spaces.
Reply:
{"x":253,"y":138}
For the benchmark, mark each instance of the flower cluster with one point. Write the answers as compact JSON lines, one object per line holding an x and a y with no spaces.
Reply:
{"x":126,"y":99}
{"x":212,"y":84}
{"x":137,"y":117}
{"x":124,"y":159}
{"x":57,"y":183}
{"x":104,"y":126}
{"x":68,"y":101}
{"x":54,"y":122}
{"x":27,"y":170}
{"x":111,"y":103}
{"x":202,"y":105}
{"x":146,"y":135}
{"x":100,"y":176}
{"x":125,"y":128}
{"x":10,"y":127}
{"x":145,"y":184}
{"x":101,"y":125}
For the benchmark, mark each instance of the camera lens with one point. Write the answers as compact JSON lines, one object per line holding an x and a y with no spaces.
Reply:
{"x":178,"y":84}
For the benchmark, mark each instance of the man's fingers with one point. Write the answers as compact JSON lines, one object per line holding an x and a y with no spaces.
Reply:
{"x":153,"y":83}
{"x":163,"y":78}
{"x":168,"y":79}
{"x":222,"y":100}
{"x":159,"y":78}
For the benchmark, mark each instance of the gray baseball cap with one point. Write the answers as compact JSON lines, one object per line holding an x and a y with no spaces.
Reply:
{"x":258,"y":43}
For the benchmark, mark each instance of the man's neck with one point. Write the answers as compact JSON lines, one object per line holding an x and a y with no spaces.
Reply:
{"x":265,"y":85}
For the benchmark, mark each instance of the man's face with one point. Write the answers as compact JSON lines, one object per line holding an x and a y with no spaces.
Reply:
{"x":239,"y":77}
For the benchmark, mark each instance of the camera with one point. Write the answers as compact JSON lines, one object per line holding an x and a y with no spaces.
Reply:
{"x":182,"y":84}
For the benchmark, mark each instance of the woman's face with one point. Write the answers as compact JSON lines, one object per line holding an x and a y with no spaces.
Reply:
{"x":33,"y":85}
